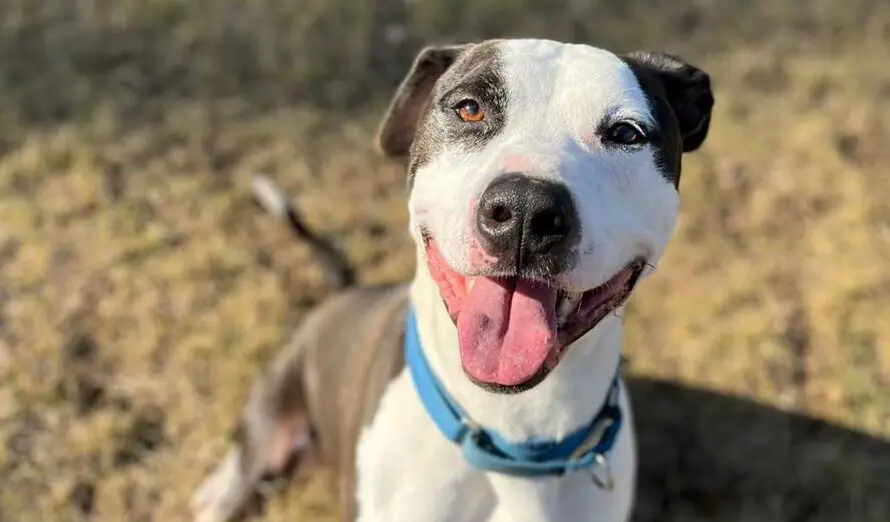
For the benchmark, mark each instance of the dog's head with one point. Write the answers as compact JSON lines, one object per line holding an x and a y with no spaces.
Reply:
{"x":544,"y":182}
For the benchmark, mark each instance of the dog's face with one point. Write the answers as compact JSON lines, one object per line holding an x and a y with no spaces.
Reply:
{"x":544,"y":182}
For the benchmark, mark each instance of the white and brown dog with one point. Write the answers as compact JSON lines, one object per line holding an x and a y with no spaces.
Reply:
{"x":543,"y":185}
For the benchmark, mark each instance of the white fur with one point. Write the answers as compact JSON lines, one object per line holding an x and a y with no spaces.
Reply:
{"x":558,"y":96}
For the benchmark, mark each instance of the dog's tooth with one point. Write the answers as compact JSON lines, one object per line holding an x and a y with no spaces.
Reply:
{"x":470,"y":282}
{"x":567,"y":304}
{"x":565,"y":308}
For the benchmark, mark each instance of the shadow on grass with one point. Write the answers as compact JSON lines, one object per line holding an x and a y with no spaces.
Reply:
{"x":708,"y":456}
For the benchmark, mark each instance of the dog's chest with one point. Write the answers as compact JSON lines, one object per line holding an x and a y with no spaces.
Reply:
{"x":409,"y":471}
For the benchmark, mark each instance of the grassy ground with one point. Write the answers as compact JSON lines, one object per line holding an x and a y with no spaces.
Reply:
{"x":140,"y":289}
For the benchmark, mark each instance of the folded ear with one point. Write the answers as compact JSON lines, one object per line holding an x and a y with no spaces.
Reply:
{"x":687,"y":90}
{"x":409,"y":103}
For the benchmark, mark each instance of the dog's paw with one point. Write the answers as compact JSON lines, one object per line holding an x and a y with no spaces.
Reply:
{"x":223,"y":494}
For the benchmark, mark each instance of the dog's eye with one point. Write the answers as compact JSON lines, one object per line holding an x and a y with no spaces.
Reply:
{"x":470,"y":111}
{"x":625,"y":133}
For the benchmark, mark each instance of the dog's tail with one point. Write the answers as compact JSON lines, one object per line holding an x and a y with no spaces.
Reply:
{"x":274,"y":201}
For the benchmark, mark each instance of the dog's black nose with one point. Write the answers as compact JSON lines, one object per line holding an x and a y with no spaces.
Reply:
{"x":521,"y":220}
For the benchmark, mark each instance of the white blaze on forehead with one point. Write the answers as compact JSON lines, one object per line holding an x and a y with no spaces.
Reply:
{"x":567,"y":89}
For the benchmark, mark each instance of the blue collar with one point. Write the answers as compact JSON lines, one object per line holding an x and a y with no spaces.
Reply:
{"x":486,"y":450}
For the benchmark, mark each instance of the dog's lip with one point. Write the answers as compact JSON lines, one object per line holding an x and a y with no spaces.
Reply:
{"x":597,"y":303}
{"x":633,"y":269}
{"x":591,"y":306}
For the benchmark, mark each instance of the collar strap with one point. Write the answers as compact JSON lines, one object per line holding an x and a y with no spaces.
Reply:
{"x":487,"y":450}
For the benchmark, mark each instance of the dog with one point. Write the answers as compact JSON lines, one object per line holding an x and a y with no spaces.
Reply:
{"x":543,"y":180}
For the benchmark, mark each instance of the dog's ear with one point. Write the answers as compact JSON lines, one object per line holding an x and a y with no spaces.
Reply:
{"x":687,"y":89}
{"x":409,"y":103}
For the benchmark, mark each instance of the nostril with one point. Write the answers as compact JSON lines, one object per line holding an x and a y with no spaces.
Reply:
{"x":501,"y":214}
{"x":552,"y":223}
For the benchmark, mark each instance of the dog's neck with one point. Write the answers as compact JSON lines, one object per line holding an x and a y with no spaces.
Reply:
{"x":567,"y":398}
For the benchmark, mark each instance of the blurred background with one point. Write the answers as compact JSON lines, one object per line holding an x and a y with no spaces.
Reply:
{"x":141,"y":290}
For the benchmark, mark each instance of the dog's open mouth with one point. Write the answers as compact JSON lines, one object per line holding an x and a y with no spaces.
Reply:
{"x":513,"y":330}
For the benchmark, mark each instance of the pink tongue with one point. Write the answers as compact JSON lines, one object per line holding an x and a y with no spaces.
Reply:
{"x":506,"y":332}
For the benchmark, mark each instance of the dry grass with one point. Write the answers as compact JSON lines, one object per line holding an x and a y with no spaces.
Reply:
{"x":141,"y":289}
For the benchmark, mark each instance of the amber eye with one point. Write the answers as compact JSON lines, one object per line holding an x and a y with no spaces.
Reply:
{"x":625,"y":133}
{"x":470,"y":111}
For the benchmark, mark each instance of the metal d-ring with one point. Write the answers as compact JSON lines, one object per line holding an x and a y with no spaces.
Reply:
{"x":603,"y":479}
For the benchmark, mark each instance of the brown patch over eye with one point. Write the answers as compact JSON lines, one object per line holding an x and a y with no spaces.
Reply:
{"x":470,"y":111}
